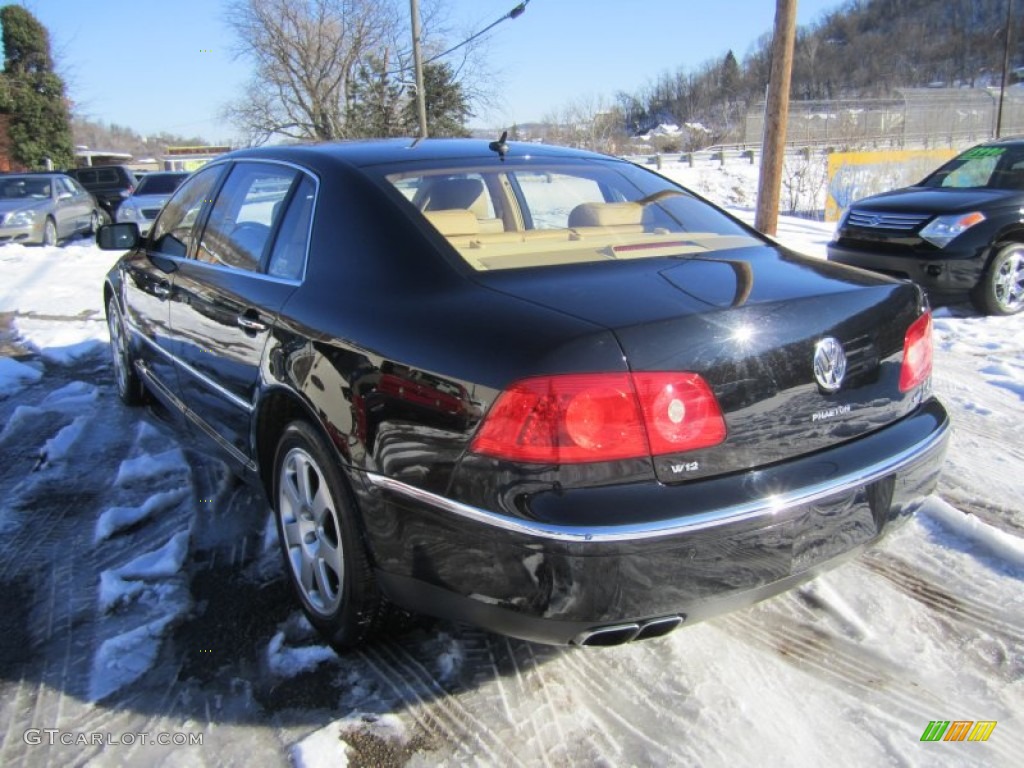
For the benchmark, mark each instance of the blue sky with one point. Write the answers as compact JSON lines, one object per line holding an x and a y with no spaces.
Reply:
{"x":167,"y":64}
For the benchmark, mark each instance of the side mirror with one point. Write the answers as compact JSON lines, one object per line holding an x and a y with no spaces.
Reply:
{"x":63,"y":195}
{"x":118,"y":237}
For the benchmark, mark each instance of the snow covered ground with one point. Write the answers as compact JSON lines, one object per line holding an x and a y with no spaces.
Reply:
{"x":142,"y":597}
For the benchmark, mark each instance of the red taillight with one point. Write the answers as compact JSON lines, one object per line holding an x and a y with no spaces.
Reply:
{"x":680,"y":411}
{"x":579,"y":418}
{"x":917,"y":353}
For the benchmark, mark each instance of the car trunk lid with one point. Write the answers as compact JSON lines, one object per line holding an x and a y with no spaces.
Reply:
{"x":750,"y":322}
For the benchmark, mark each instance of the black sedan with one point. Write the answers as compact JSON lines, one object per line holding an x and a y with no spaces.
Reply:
{"x":543,"y":391}
{"x":959,"y":232}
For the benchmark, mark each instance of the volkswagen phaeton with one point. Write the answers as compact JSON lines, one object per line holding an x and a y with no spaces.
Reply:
{"x":543,"y":391}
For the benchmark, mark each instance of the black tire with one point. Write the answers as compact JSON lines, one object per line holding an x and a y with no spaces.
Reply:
{"x":1001,"y":289}
{"x":130,"y":388}
{"x":324,"y":555}
{"x":49,"y":232}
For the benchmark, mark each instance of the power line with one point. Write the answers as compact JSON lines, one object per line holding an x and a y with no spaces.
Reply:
{"x":515,"y":13}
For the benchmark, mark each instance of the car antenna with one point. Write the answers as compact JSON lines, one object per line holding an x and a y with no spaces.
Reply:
{"x":500,"y":146}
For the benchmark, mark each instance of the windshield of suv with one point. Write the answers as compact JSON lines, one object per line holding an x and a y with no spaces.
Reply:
{"x":510,"y":216}
{"x":160,"y":183}
{"x":994,"y":167}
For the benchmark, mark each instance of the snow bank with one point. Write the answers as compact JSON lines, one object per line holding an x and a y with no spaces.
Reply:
{"x":160,"y":563}
{"x":296,"y":648}
{"x":125,"y":658}
{"x":1000,"y":544}
{"x":117,"y":519}
{"x":15,"y":376}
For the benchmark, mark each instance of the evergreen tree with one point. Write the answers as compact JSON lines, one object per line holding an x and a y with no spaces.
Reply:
{"x":376,"y":102}
{"x":38,"y":119}
{"x":731,"y":76}
{"x":447,"y":105}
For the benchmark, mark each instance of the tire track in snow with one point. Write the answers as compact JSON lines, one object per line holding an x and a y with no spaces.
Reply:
{"x":857,"y":671}
{"x":980,"y":614}
{"x":833,"y":659}
{"x":536,"y":735}
{"x":595,"y":677}
{"x":439,"y":713}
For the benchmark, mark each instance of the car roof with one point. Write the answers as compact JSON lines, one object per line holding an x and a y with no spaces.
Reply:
{"x":8,"y":174}
{"x":1011,"y":140}
{"x":385,"y":151}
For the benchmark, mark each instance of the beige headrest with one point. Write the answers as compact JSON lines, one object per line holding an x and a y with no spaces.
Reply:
{"x":445,"y":194}
{"x":454,"y":222}
{"x":606,"y":214}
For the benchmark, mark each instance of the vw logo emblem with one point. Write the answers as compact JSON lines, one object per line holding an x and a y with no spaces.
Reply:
{"x":829,"y":364}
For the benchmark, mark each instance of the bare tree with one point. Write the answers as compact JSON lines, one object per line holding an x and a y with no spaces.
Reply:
{"x":306,"y":54}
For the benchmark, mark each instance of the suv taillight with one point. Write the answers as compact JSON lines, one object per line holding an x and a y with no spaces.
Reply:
{"x":917,"y":353}
{"x":576,"y":418}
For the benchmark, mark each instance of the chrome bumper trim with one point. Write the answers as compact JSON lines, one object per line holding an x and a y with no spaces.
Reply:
{"x":766,"y":509}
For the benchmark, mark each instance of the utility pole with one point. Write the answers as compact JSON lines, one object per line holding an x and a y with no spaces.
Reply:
{"x":773,"y":153}
{"x":1006,"y":66}
{"x":421,"y":97}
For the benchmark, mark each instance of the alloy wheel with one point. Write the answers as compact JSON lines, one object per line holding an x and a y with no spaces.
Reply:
{"x":311,"y":531}
{"x":1008,"y":282}
{"x":49,"y":233}
{"x":118,"y":347}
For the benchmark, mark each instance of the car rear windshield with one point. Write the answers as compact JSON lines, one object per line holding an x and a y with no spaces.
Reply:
{"x":159,"y":183}
{"x":510,"y":216}
{"x":994,"y":167}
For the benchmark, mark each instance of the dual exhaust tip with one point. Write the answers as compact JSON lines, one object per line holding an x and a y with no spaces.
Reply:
{"x":624,"y":633}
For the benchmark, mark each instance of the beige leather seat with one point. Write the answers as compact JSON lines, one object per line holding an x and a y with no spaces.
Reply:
{"x":467,"y":194}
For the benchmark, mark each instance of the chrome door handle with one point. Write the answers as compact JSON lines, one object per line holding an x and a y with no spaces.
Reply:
{"x":251,"y":325}
{"x":161,"y":290}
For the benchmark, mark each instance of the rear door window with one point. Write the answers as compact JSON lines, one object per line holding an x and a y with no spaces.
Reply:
{"x":244,"y":214}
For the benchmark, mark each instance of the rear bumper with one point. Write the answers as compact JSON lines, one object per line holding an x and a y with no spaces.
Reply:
{"x":947,"y":273}
{"x":716,"y":545}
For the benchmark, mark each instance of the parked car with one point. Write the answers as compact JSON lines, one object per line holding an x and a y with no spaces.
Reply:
{"x":959,"y":232}
{"x":540,"y":390}
{"x":44,"y":208}
{"x":153,"y":190}
{"x":109,"y":184}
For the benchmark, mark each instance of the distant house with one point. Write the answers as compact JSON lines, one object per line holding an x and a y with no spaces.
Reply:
{"x":85,"y":157}
{"x":190,"y":158}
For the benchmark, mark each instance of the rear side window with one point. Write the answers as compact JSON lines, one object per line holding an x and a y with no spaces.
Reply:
{"x":243,"y":216}
{"x":173,"y":231}
{"x":288,"y":257}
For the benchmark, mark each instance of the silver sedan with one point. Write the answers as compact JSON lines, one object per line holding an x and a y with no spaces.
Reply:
{"x":152,"y":191}
{"x":44,"y":208}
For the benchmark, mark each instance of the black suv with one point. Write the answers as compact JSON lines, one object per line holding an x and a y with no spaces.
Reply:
{"x":959,"y":233}
{"x":109,"y":184}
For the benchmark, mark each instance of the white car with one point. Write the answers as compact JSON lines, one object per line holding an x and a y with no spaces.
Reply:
{"x":152,"y":191}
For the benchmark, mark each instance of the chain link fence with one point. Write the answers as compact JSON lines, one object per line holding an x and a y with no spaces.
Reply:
{"x":915,"y":118}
